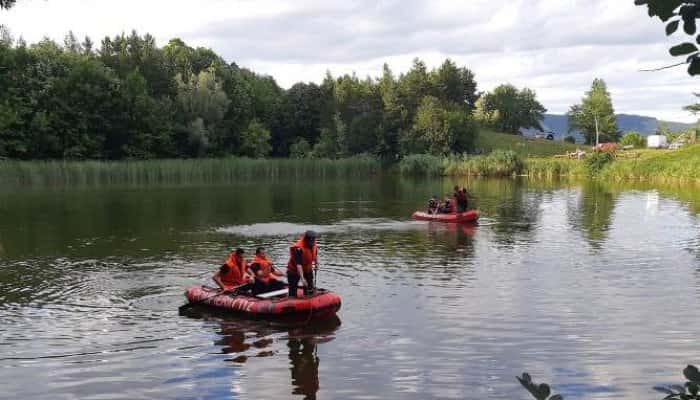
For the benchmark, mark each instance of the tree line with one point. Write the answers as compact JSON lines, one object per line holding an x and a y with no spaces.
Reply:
{"x":131,"y":99}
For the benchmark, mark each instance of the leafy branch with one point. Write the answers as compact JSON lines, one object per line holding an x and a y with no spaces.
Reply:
{"x":538,"y":391}
{"x":688,"y":391}
{"x":674,"y":13}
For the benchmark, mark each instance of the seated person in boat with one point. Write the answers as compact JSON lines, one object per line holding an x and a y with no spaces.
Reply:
{"x":433,"y":205}
{"x":234,"y":272}
{"x":302,"y":260}
{"x":265,"y":273}
{"x":447,"y":206}
{"x":460,"y":198}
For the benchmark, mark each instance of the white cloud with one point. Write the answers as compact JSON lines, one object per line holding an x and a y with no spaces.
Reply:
{"x":553,"y":46}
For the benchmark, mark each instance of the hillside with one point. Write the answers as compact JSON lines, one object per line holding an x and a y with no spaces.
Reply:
{"x":559,"y":125}
{"x":525,"y":146}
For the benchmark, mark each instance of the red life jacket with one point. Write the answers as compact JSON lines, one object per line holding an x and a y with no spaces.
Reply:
{"x":236,"y":271}
{"x":264,"y":274}
{"x":308,"y":257}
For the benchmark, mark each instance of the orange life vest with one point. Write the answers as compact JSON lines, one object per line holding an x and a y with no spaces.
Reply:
{"x":264,"y":274}
{"x":236,"y":271}
{"x":308,"y":257}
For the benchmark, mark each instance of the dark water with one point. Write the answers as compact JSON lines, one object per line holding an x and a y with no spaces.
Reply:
{"x":594,"y":288}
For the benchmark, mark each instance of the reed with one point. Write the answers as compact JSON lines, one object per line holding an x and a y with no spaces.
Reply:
{"x":179,"y":171}
{"x":499,"y":163}
{"x":549,"y":168}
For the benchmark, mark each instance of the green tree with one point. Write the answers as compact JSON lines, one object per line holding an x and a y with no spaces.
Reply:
{"x":675,"y":12}
{"x":203,"y":100}
{"x":300,"y":149}
{"x":332,"y":143}
{"x":439,"y":131}
{"x":596,"y":105}
{"x":255,"y":141}
{"x":453,"y":85}
{"x":508,"y":109}
{"x":394,"y":116}
{"x":633,"y":138}
{"x":413,"y":87}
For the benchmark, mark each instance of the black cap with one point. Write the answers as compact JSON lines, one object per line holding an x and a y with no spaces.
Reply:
{"x":310,"y":235}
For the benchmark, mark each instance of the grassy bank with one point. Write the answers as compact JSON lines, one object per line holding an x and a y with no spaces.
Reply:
{"x":179,"y":171}
{"x":522,"y":146}
{"x":651,"y":165}
{"x":656,"y":165}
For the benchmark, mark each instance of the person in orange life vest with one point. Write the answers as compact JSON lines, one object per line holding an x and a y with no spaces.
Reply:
{"x":265,"y":273}
{"x":460,"y":196}
{"x":447,"y":206}
{"x":234,"y":272}
{"x":302,"y":260}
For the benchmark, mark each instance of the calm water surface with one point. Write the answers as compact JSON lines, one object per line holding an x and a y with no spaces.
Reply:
{"x":591,"y":287}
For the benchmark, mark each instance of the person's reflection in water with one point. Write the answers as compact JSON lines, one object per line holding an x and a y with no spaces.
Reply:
{"x":303,"y":342}
{"x":243,"y":338}
{"x":302,"y":355}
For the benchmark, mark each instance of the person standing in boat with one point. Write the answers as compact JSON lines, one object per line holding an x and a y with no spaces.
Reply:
{"x":265,"y":273}
{"x":460,"y":196}
{"x":234,"y":272}
{"x":302,"y":261}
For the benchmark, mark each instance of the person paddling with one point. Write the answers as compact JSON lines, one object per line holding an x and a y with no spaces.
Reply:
{"x":302,"y":260}
{"x":234,"y":272}
{"x":265,"y":273}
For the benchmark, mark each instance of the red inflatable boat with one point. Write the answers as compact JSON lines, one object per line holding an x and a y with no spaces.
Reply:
{"x":467,"y":216}
{"x":274,"y":305}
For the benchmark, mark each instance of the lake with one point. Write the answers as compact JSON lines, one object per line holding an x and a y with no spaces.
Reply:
{"x":593,"y":288}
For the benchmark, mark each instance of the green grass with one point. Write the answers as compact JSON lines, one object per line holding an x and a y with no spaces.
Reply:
{"x":682,"y":165}
{"x":223,"y":170}
{"x":651,"y":165}
{"x":525,"y":147}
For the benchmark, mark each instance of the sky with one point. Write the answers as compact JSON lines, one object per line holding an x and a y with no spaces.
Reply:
{"x":555,"y":47}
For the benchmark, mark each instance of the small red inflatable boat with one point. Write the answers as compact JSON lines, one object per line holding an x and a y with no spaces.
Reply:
{"x":275,"y":305}
{"x":467,"y":216}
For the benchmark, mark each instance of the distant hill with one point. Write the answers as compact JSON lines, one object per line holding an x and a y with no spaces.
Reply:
{"x":559,"y":124}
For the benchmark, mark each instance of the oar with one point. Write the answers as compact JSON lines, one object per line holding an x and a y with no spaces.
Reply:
{"x":200,"y":301}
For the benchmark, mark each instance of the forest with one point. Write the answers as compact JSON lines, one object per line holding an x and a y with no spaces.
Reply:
{"x":128,"y":98}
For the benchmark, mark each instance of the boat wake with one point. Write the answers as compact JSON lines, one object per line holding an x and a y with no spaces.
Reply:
{"x":290,"y":229}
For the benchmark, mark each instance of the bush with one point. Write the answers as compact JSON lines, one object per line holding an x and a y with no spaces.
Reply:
{"x":300,"y":149}
{"x":421,"y":164}
{"x":570,"y":139}
{"x":597,"y":161}
{"x":633,"y":139}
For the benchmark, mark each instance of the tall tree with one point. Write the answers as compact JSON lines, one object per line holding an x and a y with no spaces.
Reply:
{"x":508,"y":109}
{"x":595,"y":107}
{"x":454,"y":85}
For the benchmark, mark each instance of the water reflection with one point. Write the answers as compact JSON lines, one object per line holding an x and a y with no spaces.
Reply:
{"x":246,"y":340}
{"x":512,"y":205}
{"x":594,"y":213}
